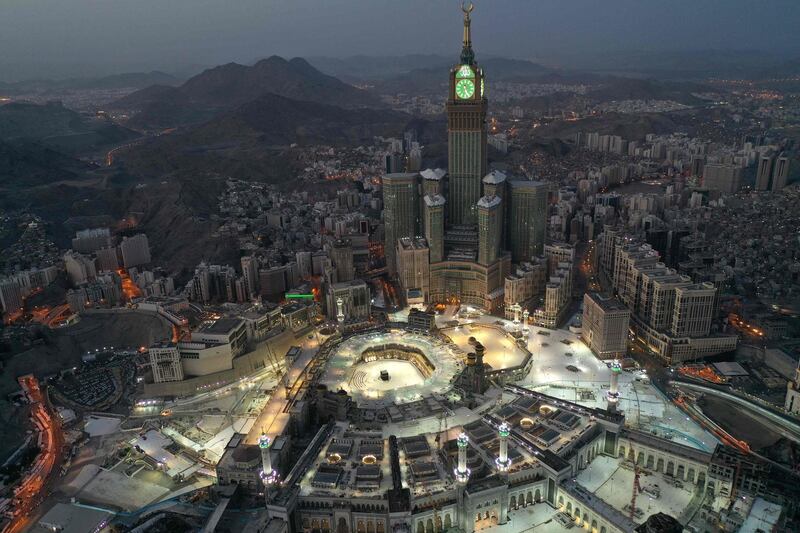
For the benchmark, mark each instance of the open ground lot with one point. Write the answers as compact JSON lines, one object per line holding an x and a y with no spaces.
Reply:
{"x":610,"y":481}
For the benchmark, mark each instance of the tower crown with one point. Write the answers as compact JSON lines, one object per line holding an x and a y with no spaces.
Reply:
{"x":467,"y":55}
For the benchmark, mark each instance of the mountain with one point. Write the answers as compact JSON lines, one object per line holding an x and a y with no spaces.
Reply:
{"x":129,"y":80}
{"x":677,"y":64}
{"x":433,"y":81}
{"x":647,"y":89}
{"x":248,"y":141}
{"x":361,"y":67}
{"x":785,"y":69}
{"x":26,"y":164}
{"x":277,"y":120}
{"x":57,"y":127}
{"x":228,"y":86}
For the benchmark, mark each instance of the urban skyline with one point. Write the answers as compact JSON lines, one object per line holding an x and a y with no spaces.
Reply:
{"x":473,"y":296}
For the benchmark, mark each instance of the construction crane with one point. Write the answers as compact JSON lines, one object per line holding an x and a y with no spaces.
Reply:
{"x":442,"y":428}
{"x":637,"y":488}
{"x":273,"y":362}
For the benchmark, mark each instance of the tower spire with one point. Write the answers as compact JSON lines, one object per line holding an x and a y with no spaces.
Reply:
{"x":467,"y":55}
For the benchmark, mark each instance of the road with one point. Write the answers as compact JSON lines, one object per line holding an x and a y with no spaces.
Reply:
{"x":42,"y":476}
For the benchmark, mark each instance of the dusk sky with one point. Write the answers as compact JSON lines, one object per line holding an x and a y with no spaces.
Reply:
{"x":63,"y":37}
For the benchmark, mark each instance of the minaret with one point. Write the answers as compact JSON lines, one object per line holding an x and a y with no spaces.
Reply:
{"x":340,"y":311}
{"x":613,"y":389}
{"x":502,"y":461}
{"x":516,"y":308}
{"x":462,"y":476}
{"x":461,"y":471}
{"x":525,"y":315}
{"x":267,"y":474}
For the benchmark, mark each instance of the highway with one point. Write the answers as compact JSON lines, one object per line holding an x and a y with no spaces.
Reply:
{"x":38,"y":482}
{"x":782,"y":425}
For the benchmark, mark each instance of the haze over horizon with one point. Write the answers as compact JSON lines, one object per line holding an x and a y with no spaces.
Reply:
{"x":50,"y":39}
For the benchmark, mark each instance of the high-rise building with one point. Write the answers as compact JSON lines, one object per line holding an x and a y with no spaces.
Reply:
{"x":698,"y":163}
{"x":466,"y":134}
{"x":414,"y":158}
{"x":107,"y":259}
{"x":457,"y":273}
{"x":558,"y":252}
{"x":694,"y":310}
{"x":764,"y":172}
{"x":355,"y":297}
{"x":433,"y":221}
{"x":135,"y":250}
{"x":722,"y":177}
{"x":605,"y":325}
{"x":304,"y":264}
{"x":413,"y":267}
{"x":494,"y":184}
{"x":780,"y":174}
{"x":792,"y":402}
{"x":669,"y":312}
{"x":432,"y":181}
{"x":250,"y":274}
{"x":558,"y":292}
{"x":527,"y":219}
{"x":399,"y":212}
{"x":527,"y":281}
{"x":10,"y":296}
{"x":80,"y":269}
{"x":90,"y":240}
{"x":341,"y":253}
{"x":490,"y":225}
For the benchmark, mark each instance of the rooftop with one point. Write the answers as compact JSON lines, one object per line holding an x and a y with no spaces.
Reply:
{"x":606,"y":303}
{"x":489,"y":201}
{"x":434,"y":200}
{"x":433,"y":174}
{"x":220,"y":327}
{"x":494,"y":177}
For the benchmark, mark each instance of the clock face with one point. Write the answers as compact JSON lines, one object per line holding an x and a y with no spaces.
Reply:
{"x":465,"y":89}
{"x":482,"y":88}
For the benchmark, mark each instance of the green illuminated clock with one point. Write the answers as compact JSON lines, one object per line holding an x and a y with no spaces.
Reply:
{"x":465,"y":89}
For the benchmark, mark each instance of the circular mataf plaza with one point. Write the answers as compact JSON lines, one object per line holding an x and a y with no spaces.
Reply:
{"x":389,"y":366}
{"x":401,"y":366}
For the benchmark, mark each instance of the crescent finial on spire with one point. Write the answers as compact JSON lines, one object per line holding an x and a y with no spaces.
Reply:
{"x":467,"y":55}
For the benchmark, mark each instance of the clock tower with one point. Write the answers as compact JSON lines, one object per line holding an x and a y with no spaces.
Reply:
{"x":466,"y":132}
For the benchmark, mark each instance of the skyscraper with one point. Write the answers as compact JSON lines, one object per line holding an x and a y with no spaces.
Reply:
{"x":399,"y":212}
{"x":780,"y":174}
{"x":764,"y":172}
{"x":250,"y":274}
{"x":466,"y":133}
{"x":433,"y":221}
{"x":342,"y":258}
{"x":527,"y":219}
{"x":722,"y":177}
{"x":413,"y":266}
{"x":135,"y":250}
{"x":490,"y":224}
{"x":494,"y":184}
{"x":605,"y":325}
